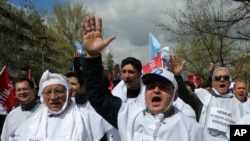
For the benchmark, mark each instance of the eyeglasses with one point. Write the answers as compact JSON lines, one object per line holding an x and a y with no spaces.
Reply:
{"x":218,"y":78}
{"x":56,"y":92}
{"x":19,"y":90}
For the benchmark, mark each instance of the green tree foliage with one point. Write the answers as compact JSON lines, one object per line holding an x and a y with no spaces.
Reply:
{"x":109,"y":63}
{"x":202,"y":36}
{"x":58,"y":52}
{"x":67,"y":21}
{"x":38,"y":41}
{"x":21,"y":27}
{"x":64,"y":27}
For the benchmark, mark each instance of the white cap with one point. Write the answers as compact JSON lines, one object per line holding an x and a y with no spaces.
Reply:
{"x":162,"y":73}
{"x":49,"y":78}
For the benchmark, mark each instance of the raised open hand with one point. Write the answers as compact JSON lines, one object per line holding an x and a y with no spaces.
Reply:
{"x":176,"y":66}
{"x":211,"y":67}
{"x":77,"y":54}
{"x":92,"y":36}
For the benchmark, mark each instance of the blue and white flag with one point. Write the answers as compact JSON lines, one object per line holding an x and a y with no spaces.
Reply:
{"x":154,"y":46}
{"x":78,"y":47}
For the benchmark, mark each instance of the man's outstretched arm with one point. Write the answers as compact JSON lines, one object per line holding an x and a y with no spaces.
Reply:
{"x":94,"y":81}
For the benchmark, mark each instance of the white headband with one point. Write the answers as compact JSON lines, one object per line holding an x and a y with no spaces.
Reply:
{"x":50,"y":79}
{"x":51,"y":82}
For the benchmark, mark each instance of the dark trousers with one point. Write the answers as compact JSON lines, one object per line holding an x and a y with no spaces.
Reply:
{"x":2,"y":119}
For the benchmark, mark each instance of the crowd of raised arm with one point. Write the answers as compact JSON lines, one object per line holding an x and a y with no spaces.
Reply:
{"x":155,"y":106}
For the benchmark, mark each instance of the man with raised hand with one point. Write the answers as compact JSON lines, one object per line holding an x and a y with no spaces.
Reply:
{"x":158,"y":120}
{"x":215,"y":109}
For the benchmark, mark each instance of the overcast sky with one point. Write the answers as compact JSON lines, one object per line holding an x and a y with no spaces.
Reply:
{"x":131,"y":21}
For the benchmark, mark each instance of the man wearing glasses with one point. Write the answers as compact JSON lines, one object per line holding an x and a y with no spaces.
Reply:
{"x":60,"y":119}
{"x":215,"y":109}
{"x":25,"y":93}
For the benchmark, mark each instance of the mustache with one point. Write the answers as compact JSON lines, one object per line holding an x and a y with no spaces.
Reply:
{"x":55,"y":103}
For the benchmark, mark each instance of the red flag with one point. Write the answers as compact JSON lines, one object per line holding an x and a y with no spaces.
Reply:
{"x":196,"y":79}
{"x":30,"y":77}
{"x":7,"y":92}
{"x":111,"y":86}
{"x":153,"y":64}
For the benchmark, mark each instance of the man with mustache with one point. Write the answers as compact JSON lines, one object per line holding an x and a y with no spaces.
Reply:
{"x":60,"y":118}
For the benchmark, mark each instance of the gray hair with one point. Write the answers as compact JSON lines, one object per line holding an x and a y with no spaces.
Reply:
{"x":222,"y":68}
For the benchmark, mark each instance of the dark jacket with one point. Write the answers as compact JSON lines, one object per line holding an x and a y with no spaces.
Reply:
{"x":97,"y":91}
{"x":191,"y":98}
{"x":188,"y":97}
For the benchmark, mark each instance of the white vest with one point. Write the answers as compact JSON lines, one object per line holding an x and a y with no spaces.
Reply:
{"x":120,"y":91}
{"x":135,"y":124}
{"x":218,"y":113}
{"x":184,"y":108}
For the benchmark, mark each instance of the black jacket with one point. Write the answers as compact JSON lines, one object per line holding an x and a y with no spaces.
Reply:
{"x":97,"y":91}
{"x":189,"y":98}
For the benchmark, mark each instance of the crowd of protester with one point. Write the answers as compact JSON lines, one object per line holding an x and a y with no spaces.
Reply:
{"x":155,"y":106}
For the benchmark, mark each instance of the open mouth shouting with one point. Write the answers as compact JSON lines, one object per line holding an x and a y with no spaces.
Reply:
{"x":222,"y":85}
{"x":156,"y":101}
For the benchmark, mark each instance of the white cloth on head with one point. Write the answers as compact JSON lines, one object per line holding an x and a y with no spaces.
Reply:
{"x":71,"y":126}
{"x":50,"y":79}
{"x":71,"y":123}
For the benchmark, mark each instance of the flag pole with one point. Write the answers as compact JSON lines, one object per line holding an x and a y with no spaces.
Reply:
{"x":2,"y":70}
{"x":149,"y":53}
